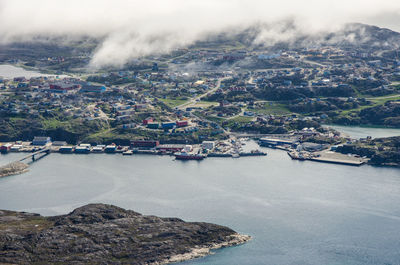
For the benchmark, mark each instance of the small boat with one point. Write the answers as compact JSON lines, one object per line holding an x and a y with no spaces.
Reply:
{"x":128,"y":153}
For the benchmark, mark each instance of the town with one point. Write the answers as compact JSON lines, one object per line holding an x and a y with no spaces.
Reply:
{"x":182,"y":101}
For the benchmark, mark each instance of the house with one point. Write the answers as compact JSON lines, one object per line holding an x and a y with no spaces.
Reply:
{"x":59,"y":143}
{"x":62,"y":87}
{"x":92,"y":89}
{"x":39,"y":140}
{"x":5,"y":148}
{"x":168,"y":125}
{"x":147,"y":121}
{"x":170,"y":147}
{"x":153,"y":125}
{"x":182,"y":123}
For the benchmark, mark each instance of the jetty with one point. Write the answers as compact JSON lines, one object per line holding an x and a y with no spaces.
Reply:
{"x":21,"y":165}
{"x":35,"y":155}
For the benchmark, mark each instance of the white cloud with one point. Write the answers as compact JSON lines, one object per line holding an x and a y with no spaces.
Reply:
{"x":134,"y":28}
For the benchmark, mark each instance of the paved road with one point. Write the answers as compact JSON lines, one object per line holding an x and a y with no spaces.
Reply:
{"x":198,"y":98}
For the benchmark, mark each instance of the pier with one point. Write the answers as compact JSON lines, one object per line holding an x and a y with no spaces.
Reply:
{"x":35,"y":156}
{"x":327,"y":156}
{"x":21,"y":166}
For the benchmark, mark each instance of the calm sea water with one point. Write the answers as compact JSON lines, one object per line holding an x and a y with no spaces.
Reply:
{"x":10,"y":71}
{"x":362,"y":132}
{"x":297,"y":212}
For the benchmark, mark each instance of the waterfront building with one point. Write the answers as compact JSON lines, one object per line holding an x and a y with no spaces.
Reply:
{"x":5,"y":148}
{"x":110,"y":148}
{"x":39,"y":140}
{"x":170,"y":147}
{"x":208,"y":145}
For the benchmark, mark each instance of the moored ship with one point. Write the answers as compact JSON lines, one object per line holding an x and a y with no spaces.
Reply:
{"x":188,"y":156}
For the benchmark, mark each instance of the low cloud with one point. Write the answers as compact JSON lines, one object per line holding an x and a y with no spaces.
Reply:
{"x":130,"y":29}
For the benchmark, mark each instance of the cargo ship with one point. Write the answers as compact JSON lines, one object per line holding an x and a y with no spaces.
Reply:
{"x":187,"y":156}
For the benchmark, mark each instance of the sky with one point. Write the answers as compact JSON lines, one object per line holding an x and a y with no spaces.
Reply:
{"x":130,"y":28}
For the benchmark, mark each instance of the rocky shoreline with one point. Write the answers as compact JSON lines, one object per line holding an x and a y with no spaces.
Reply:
{"x":106,"y":234}
{"x":202,"y":251}
{"x":14,"y":168}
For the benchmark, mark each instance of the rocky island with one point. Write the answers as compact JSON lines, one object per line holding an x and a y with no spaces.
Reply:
{"x":106,"y":234}
{"x":13,"y":168}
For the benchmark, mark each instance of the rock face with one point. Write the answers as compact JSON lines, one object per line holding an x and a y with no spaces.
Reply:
{"x":106,"y":234}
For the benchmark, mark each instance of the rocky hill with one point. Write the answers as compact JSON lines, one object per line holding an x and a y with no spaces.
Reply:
{"x":287,"y":35}
{"x":106,"y":234}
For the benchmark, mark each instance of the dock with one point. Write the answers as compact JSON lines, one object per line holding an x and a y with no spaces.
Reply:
{"x":328,"y":157}
{"x":36,"y":155}
{"x":21,"y":165}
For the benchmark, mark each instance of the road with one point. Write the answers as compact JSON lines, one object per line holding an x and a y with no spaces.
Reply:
{"x":198,"y":98}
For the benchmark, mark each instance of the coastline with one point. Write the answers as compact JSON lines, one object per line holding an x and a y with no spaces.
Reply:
{"x":109,"y":234}
{"x":203,"y":251}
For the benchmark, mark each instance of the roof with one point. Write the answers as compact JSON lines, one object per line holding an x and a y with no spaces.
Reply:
{"x":41,"y":138}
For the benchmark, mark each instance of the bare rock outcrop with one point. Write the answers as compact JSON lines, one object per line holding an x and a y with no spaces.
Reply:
{"x":106,"y":234}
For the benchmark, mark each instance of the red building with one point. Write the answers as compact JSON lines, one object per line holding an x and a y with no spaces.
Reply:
{"x":182,"y":123}
{"x":64,"y":86}
{"x":147,"y":121}
{"x":5,"y":148}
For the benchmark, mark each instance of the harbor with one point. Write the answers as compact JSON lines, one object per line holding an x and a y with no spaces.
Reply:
{"x":231,"y":148}
{"x":304,"y":200}
{"x":41,"y":146}
{"x":234,"y":147}
{"x":328,"y":157}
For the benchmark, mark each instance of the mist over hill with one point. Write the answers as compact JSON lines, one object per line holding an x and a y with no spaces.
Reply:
{"x":258,"y":37}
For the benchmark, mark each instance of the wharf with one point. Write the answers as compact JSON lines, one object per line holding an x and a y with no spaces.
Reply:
{"x":259,"y":153}
{"x":337,"y":161}
{"x":328,"y":157}
{"x":219,"y":155}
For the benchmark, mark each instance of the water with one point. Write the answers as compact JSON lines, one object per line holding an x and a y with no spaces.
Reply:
{"x":297,"y":212}
{"x":10,"y":71}
{"x":362,"y":132}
